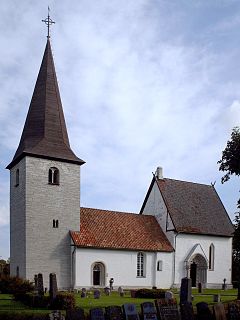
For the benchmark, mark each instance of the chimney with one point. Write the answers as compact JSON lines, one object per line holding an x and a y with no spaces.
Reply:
{"x":159,"y":173}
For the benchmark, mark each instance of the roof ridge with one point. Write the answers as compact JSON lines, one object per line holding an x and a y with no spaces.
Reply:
{"x":199,"y":183}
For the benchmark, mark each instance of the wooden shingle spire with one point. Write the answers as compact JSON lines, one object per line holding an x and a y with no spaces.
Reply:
{"x":45,"y":133}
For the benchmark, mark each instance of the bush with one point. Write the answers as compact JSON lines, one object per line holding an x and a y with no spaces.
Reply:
{"x":15,"y":285}
{"x":63,"y":301}
{"x":32,"y":300}
{"x":150,"y":293}
{"x":22,"y":316}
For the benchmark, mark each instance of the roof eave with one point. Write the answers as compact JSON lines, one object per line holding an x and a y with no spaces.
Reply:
{"x":29,"y":154}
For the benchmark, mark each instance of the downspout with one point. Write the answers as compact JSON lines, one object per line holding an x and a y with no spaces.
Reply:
{"x":155,"y":270}
{"x":73,"y":275}
{"x":174,"y":258}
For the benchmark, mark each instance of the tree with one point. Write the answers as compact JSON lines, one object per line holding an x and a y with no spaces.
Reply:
{"x":230,"y":163}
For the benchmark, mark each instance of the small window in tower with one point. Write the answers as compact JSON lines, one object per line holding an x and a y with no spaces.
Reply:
{"x":53,"y":176}
{"x":17,"y":178}
{"x":55,"y":223}
{"x":159,"y":265}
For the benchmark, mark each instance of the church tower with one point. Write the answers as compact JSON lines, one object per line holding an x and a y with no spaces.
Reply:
{"x":44,"y":186}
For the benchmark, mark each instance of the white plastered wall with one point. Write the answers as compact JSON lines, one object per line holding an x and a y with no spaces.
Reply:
{"x":222,"y":257}
{"x":122,"y":266}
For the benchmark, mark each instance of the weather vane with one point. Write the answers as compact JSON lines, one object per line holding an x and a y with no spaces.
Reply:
{"x":48,"y":21}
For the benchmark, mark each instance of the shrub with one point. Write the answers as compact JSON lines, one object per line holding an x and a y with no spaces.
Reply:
{"x":32,"y":300}
{"x":150,"y":293}
{"x":15,"y":285}
{"x":63,"y":301}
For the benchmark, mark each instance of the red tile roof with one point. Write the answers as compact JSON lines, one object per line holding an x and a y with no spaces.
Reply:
{"x":119,"y":230}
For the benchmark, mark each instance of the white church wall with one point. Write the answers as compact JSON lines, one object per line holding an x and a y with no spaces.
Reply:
{"x":222,"y":257}
{"x":155,"y":206}
{"x":122,"y":266}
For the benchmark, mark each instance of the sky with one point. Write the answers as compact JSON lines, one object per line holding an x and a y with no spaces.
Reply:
{"x":143,"y":83}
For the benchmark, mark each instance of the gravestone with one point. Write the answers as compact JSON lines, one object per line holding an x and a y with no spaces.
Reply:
{"x":111,"y":283}
{"x":216,"y":298}
{"x":219,"y":312}
{"x":130,"y":311}
{"x":186,"y":290}
{"x":149,"y":311}
{"x":83,"y":293}
{"x":96,"y":314}
{"x":40,"y":287}
{"x":203,"y":311}
{"x":107,"y":291}
{"x":52,"y":286}
{"x":233,"y":311}
{"x":96,"y":294}
{"x":114,"y":313}
{"x":224,"y":285}
{"x":187,"y":312}
{"x":120,"y":291}
{"x":199,"y":287}
{"x":167,"y":309}
{"x":169,"y":295}
{"x":35,"y":282}
{"x":75,"y":314}
{"x":56,"y":315}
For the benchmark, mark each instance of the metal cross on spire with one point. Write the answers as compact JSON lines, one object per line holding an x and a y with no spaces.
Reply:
{"x":48,"y":21}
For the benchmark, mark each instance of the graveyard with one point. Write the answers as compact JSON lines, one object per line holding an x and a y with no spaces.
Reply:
{"x":89,"y":302}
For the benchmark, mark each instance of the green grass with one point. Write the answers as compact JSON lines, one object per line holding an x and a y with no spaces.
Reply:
{"x":7,"y":304}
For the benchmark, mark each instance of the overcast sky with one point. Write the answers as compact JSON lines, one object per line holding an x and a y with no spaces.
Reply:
{"x":143,"y":83}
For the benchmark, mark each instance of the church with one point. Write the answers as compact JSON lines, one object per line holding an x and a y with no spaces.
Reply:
{"x":182,"y":229}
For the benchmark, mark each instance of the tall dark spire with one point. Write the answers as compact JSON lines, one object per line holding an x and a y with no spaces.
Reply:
{"x":45,"y":133}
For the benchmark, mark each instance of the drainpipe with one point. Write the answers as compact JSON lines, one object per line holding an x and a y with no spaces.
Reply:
{"x":73,"y":274}
{"x":174,"y":258}
{"x":154,"y":282}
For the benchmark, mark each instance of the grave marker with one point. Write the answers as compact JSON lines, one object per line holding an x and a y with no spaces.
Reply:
{"x":149,"y":311}
{"x":167,"y":309}
{"x":187,"y":311}
{"x":219,"y":312}
{"x":96,"y":294}
{"x":96,"y":314}
{"x":203,"y":311}
{"x":233,"y":311}
{"x":75,"y":314}
{"x":114,"y":313}
{"x":56,"y":315}
{"x":186,"y":290}
{"x":130,"y":311}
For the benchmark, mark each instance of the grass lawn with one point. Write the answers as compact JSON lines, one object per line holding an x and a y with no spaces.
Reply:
{"x":8,"y":304}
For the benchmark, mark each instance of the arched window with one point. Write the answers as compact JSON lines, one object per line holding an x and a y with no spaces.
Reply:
{"x":211,"y":257}
{"x":17,"y":178}
{"x":141,"y":264}
{"x":159,"y":265}
{"x":53,"y":175}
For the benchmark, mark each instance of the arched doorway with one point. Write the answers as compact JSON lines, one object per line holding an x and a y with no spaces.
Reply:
{"x":98,"y":274}
{"x":198,"y":270}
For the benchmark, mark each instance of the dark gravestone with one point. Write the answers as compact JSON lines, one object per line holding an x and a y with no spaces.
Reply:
{"x":107,"y":291}
{"x":52,"y":286}
{"x":114,"y":313}
{"x":167,"y":309}
{"x":96,"y":314}
{"x":40,"y":287}
{"x":199,"y":287}
{"x":203,"y":312}
{"x":186,"y":290}
{"x":96,"y":294}
{"x":233,"y":311}
{"x":35,"y":282}
{"x":120,"y":291}
{"x":219,"y":312}
{"x":75,"y":314}
{"x":149,"y":311}
{"x":169,"y":295}
{"x":130,"y":311}
{"x":56,"y":315}
{"x":83,"y":293}
{"x":187,"y":312}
